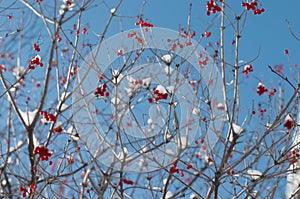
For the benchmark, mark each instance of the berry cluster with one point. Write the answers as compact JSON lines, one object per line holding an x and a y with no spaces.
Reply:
{"x":174,"y":46}
{"x":173,"y":169}
{"x":58,"y":38}
{"x":261,"y":110}
{"x":189,"y":166}
{"x":36,"y":47}
{"x":70,"y":159}
{"x":120,"y":52}
{"x":84,"y":31}
{"x":125,"y":181}
{"x":203,"y":61}
{"x":212,"y":7}
{"x":35,"y":61}
{"x":247,"y":69}
{"x":22,"y":189}
{"x":143,"y":23}
{"x":58,"y":130}
{"x":253,"y":6}
{"x":230,"y":172}
{"x":159,"y":95}
{"x":101,"y":91}
{"x":69,"y":3}
{"x":48,"y":117}
{"x":220,"y":106}
{"x":133,"y":35}
{"x":261,"y":89}
{"x":74,"y":71}
{"x":207,"y":34}
{"x":289,"y":122}
{"x":2,"y":67}
{"x":272,"y":92}
{"x":293,"y":157}
{"x":32,"y":189}
{"x":43,"y":152}
{"x":186,"y":34}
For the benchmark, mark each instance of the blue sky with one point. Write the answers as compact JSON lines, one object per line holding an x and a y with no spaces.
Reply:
{"x":267,"y":32}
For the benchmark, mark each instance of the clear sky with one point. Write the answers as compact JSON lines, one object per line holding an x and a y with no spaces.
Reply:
{"x":267,"y":32}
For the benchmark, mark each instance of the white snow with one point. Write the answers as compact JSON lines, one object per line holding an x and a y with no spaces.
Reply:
{"x":253,"y":174}
{"x":18,"y":71}
{"x":167,"y":58}
{"x":28,"y":116}
{"x":236,"y":128}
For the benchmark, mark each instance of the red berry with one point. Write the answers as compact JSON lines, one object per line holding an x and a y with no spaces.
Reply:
{"x":286,"y":51}
{"x":207,"y":34}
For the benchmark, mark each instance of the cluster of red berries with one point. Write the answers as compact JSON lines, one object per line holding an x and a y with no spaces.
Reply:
{"x":101,"y":91}
{"x":189,"y":166}
{"x":207,"y":34}
{"x":69,"y":3}
{"x":186,"y":34}
{"x":293,"y":157}
{"x":204,"y":60}
{"x":36,"y":47}
{"x":2,"y":68}
{"x":133,"y":34}
{"x":137,"y":82}
{"x":272,"y":92}
{"x":48,"y":116}
{"x":173,"y":169}
{"x":32,"y":189}
{"x":84,"y":31}
{"x":22,"y":189}
{"x":289,"y":122}
{"x":253,"y":6}
{"x":125,"y":181}
{"x":230,"y":172}
{"x":174,"y":46}
{"x":74,"y":71}
{"x":70,"y":160}
{"x":159,"y":95}
{"x":120,"y":52}
{"x":43,"y":152}
{"x":212,"y":7}
{"x":261,"y":89}
{"x":261,"y":110}
{"x":58,"y":38}
{"x":143,"y":23}
{"x":247,"y":69}
{"x":57,"y":130}
{"x":35,"y":61}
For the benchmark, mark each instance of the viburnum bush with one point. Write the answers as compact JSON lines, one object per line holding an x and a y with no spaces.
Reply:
{"x":99,"y":100}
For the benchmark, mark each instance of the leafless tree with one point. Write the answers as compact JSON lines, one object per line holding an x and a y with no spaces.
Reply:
{"x":147,"y":112}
